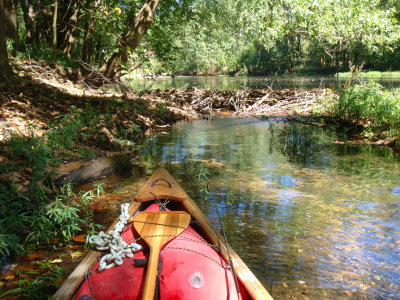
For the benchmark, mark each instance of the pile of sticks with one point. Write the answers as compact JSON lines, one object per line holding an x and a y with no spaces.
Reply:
{"x":252,"y":103}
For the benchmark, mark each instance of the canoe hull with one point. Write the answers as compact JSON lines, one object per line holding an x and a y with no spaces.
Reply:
{"x":194,"y":265}
{"x":190,"y":269}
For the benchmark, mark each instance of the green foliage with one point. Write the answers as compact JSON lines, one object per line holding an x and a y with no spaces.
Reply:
{"x":221,"y":36}
{"x":369,"y":74}
{"x":31,"y":212}
{"x":368,"y":104}
{"x":10,"y":243}
{"x":130,"y":132}
{"x":42,"y":52}
{"x":68,"y":131}
{"x":63,"y":218}
{"x":41,"y":286}
{"x":33,"y":152}
{"x":260,"y":37}
{"x":28,"y":210}
{"x":14,"y":215}
{"x":59,"y":219}
{"x":202,"y":179}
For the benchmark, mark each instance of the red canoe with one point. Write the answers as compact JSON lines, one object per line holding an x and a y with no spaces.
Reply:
{"x":193,"y":262}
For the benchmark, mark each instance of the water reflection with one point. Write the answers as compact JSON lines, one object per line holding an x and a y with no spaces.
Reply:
{"x":240,"y":82}
{"x":310,"y":217}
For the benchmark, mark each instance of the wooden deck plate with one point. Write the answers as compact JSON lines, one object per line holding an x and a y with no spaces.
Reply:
{"x":165,"y":187}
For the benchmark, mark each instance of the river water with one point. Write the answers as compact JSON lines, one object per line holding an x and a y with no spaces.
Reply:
{"x":240,"y":82}
{"x":311,"y":216}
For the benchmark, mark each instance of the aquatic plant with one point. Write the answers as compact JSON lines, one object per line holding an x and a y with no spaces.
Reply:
{"x":300,"y":142}
{"x":203,"y":181}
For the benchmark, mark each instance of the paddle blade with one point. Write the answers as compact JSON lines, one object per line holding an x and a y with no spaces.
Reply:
{"x":157,"y":228}
{"x":160,"y":227}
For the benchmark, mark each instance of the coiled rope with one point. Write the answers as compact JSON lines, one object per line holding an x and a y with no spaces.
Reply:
{"x":114,"y":243}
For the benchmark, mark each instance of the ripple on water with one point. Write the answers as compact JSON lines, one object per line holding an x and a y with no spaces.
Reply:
{"x":323,"y":224}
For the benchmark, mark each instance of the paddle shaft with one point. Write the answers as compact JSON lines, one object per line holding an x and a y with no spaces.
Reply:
{"x":151,"y":273}
{"x":155,"y":245}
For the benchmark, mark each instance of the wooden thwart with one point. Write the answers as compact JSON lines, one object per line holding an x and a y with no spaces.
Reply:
{"x":157,"y":229}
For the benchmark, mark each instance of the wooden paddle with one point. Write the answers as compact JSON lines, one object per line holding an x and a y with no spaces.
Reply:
{"x":157,"y":229}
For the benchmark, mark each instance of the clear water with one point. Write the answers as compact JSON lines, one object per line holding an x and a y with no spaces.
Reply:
{"x":230,"y":83}
{"x":311,"y":217}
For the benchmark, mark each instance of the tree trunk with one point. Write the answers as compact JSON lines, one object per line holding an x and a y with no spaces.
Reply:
{"x":132,"y":39}
{"x":11,"y":28}
{"x":88,"y":37}
{"x":99,"y":53}
{"x":54,"y":50}
{"x":69,"y":25}
{"x":37,"y":23}
{"x":29,"y":15}
{"x":8,"y":17}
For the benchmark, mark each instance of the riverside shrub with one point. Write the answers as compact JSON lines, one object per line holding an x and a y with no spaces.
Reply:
{"x":376,"y":108}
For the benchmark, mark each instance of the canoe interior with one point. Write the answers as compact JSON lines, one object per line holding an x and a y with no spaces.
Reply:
{"x":252,"y":288}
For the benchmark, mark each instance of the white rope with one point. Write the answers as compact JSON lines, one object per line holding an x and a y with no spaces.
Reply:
{"x":113,"y":242}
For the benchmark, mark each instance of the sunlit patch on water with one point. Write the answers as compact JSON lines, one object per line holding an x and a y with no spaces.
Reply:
{"x":396,"y":191}
{"x":312,"y":218}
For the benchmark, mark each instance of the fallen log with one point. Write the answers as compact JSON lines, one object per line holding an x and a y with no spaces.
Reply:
{"x":98,"y":168}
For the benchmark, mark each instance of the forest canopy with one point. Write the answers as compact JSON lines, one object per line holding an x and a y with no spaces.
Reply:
{"x":253,"y":37}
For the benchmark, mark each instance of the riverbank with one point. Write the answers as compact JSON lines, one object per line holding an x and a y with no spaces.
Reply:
{"x":36,"y":106}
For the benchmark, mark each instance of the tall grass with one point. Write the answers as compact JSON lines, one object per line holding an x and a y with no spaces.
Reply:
{"x":368,"y":104}
{"x":370,"y":74}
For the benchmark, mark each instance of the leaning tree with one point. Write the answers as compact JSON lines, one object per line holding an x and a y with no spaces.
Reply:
{"x":131,"y":39}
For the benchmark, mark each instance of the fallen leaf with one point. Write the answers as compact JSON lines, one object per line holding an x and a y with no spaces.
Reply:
{"x":56,"y":261}
{"x":28,"y":170}
{"x":114,"y":197}
{"x":76,"y":254}
{"x":79,"y":238}
{"x":32,"y":256}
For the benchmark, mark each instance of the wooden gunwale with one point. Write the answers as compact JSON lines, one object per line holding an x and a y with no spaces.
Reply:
{"x":252,"y":285}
